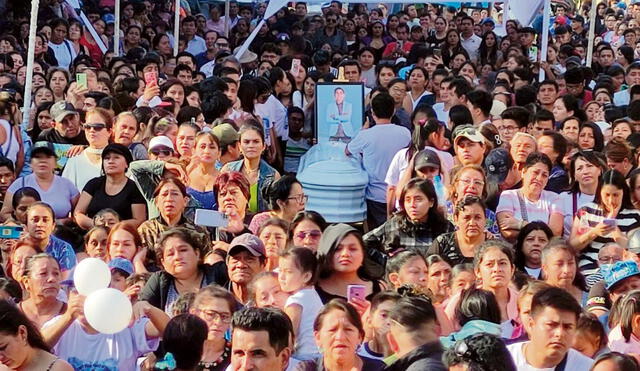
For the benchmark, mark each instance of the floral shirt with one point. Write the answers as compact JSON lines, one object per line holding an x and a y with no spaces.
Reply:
{"x":62,"y":252}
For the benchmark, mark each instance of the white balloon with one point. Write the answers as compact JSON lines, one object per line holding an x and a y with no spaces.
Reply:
{"x":108,"y":310}
{"x":91,"y":274}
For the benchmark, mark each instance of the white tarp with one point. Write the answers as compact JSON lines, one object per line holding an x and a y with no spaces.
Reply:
{"x":522,"y":10}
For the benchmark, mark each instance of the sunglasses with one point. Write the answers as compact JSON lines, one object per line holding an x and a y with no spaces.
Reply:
{"x":313,"y":234}
{"x":161,"y":152}
{"x":96,"y":127}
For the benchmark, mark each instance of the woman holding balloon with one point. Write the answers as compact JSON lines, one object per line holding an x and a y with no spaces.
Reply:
{"x":100,"y":321}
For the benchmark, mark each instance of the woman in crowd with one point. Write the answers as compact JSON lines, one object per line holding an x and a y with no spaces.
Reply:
{"x":58,"y":82}
{"x":417,"y":224}
{"x":306,"y":229}
{"x":585,"y":172}
{"x":418,"y":80}
{"x":560,"y":269}
{"x":494,"y":267}
{"x":215,"y":306}
{"x":233,"y":191}
{"x":470,"y":180}
{"x":20,"y":255}
{"x":112,"y":190}
{"x":407,"y":267}
{"x":532,"y":239}
{"x":339,"y":352}
{"x":531,"y":202}
{"x":202,"y":170}
{"x":21,"y":201}
{"x":477,"y":312}
{"x":608,"y":218}
{"x":439,"y":278}
{"x":60,"y":193}
{"x":341,"y":262}
{"x":286,"y":200}
{"x":124,"y":242}
{"x":590,"y":137}
{"x":24,"y":348}
{"x":489,"y":354}
{"x":257,"y":171}
{"x":95,"y":244}
{"x":125,"y":130}
{"x":566,"y":106}
{"x":183,"y":340}
{"x":273,"y":234}
{"x":171,"y":199}
{"x":88,"y":164}
{"x":180,"y":253}
{"x":41,"y":279}
{"x":459,"y":246}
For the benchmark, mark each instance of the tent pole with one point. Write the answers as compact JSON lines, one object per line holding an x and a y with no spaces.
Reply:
{"x":31,"y":51}
{"x":592,"y":31}
{"x":116,"y":33}
{"x":176,"y":28}
{"x":545,"y":35}
{"x":226,"y":18}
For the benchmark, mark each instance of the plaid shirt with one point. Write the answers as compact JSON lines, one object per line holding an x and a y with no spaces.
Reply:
{"x":391,"y":236}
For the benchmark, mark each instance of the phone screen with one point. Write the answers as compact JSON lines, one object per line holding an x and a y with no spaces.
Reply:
{"x":81,"y":80}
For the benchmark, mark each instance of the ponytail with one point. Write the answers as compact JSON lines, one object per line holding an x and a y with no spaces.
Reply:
{"x":629,"y":307}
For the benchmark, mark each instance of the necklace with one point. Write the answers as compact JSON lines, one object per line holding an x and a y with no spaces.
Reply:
{"x":208,"y":366}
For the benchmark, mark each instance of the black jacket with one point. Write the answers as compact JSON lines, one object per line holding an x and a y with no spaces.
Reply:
{"x":427,"y":357}
{"x":157,"y":288}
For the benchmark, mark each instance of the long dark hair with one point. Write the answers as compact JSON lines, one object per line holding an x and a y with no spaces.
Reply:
{"x":489,"y":55}
{"x":598,"y":138}
{"x":614,"y":178}
{"x":520,"y":259}
{"x":12,"y":318}
{"x":435,"y":218}
{"x":477,"y":304}
{"x":589,"y":156}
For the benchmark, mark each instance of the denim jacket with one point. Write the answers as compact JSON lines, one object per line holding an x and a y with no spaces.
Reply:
{"x":266,"y":177}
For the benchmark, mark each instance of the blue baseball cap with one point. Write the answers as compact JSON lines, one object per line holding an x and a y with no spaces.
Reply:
{"x":619,"y":272}
{"x":122,"y":264}
{"x":488,"y":20}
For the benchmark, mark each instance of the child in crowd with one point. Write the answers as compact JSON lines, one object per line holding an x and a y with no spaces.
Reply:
{"x":379,"y":322}
{"x":265,"y":291}
{"x":297,"y":276}
{"x":106,"y":217}
{"x":591,"y":338}
{"x":121,"y":269}
{"x":625,"y":336}
{"x":462,"y":278}
{"x":407,"y":267}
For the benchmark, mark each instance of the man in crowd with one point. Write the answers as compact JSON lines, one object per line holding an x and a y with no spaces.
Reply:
{"x":245,"y":259}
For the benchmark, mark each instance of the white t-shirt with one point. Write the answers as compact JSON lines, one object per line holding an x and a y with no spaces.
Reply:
{"x":441,"y":113}
{"x":276,"y":113}
{"x":576,"y":361}
{"x":117,"y":352}
{"x":79,"y":170}
{"x":565,"y":202}
{"x":540,"y":210}
{"x":309,"y":301}
{"x":64,"y":52}
{"x":377,"y":146}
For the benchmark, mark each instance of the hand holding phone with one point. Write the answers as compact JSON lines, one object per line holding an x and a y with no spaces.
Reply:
{"x":356,"y":291}
{"x":295,"y":67}
{"x":81,"y":80}
{"x":150,"y":78}
{"x":10,"y":232}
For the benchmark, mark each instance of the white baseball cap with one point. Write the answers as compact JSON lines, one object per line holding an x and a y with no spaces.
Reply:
{"x":161,"y":141}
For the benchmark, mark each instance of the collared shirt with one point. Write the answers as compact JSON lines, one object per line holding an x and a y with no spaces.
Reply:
{"x":196,"y":46}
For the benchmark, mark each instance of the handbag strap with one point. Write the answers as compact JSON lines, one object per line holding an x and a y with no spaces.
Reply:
{"x":523,"y":207}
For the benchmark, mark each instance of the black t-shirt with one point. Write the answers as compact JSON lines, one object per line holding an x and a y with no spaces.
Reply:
{"x":121,"y":203}
{"x":51,"y":135}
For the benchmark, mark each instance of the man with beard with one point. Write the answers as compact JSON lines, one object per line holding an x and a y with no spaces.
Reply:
{"x":245,"y":259}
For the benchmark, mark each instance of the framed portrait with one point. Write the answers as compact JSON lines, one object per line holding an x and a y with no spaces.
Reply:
{"x":339,"y":110}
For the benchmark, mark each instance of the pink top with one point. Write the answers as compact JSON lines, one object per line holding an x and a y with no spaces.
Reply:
{"x":618,"y":344}
{"x":512,"y":307}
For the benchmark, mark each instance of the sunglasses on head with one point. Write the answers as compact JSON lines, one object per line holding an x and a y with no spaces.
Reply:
{"x":96,"y":126}
{"x":313,"y":234}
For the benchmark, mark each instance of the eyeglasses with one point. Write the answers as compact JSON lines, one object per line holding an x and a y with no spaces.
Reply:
{"x":96,"y":127}
{"x":222,"y":45}
{"x":163,"y":152}
{"x":312,"y":234}
{"x":300,"y":198}
{"x":475,"y":182}
{"x":331,"y":20}
{"x":212,"y":315}
{"x":609,"y":259}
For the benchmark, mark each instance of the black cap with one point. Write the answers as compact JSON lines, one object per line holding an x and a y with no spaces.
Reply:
{"x":118,"y":149}
{"x":497,"y":165}
{"x":530,"y":30}
{"x":578,"y":18}
{"x":561,"y":30}
{"x":426,"y":158}
{"x":43,"y":147}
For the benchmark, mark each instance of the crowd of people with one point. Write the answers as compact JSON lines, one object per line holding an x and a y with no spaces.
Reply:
{"x":503,"y":210}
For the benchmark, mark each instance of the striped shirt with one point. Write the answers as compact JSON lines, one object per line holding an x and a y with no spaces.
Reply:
{"x":591,"y":215}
